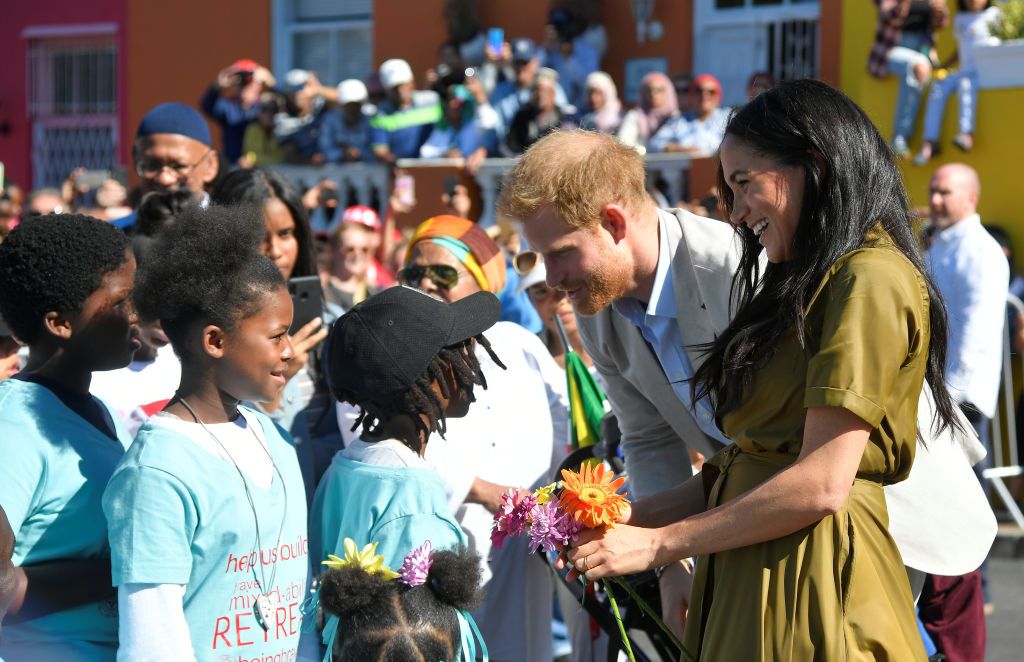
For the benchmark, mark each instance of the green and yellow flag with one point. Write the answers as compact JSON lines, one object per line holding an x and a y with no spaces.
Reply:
{"x":586,"y":399}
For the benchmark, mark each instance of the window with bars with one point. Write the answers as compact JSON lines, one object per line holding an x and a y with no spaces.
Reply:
{"x":736,"y":4}
{"x":736,"y":38}
{"x":333,"y":38}
{"x":73,"y":105}
{"x":793,"y":49}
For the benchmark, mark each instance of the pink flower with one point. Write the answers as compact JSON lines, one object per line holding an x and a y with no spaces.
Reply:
{"x":551,"y":526}
{"x":416,"y":566}
{"x":512,"y":516}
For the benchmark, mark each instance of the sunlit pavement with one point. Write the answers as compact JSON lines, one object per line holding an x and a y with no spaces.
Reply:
{"x":1006,"y":578}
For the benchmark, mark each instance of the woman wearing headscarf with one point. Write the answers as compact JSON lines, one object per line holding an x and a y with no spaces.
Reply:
{"x":658,"y":108}
{"x":605,"y":108}
{"x":483,"y":260}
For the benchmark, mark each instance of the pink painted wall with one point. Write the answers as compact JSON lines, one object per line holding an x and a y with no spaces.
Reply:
{"x":16,"y":131}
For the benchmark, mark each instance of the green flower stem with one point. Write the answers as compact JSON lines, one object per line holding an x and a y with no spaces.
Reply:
{"x":646,"y":608}
{"x":618,"y":619}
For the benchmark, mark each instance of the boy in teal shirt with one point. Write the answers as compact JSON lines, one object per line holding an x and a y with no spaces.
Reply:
{"x":67,"y":284}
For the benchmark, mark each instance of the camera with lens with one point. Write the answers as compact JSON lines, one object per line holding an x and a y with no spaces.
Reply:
{"x":448,"y":76}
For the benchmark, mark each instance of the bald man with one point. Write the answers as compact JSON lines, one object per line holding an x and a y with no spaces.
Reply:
{"x":971,"y":272}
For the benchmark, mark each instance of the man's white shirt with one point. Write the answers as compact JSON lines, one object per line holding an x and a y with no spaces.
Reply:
{"x":971,"y":272}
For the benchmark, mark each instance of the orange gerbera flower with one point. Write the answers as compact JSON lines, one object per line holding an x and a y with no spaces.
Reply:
{"x":589,"y":496}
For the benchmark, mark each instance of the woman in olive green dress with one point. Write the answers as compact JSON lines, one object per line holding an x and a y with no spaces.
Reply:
{"x":816,"y":381}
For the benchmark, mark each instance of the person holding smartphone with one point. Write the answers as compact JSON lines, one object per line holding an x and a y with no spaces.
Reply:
{"x":303,"y":407}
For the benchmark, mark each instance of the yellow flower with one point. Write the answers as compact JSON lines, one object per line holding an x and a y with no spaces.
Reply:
{"x":590,"y":496}
{"x":367,"y":559}
{"x":543,"y":494}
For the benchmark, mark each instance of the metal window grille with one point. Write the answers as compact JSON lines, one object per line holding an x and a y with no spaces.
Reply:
{"x":793,"y":49}
{"x":73,"y":103}
{"x":333,"y":38}
{"x":72,"y":77}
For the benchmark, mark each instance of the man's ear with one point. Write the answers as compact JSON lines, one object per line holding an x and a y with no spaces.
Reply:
{"x":213,"y":341}
{"x":58,"y":325}
{"x":212,"y":168}
{"x":615,"y":219}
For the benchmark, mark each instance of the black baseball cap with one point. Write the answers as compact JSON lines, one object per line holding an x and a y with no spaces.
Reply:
{"x":381,"y":347}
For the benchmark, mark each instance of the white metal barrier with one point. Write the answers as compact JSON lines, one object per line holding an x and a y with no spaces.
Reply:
{"x":367,"y":178}
{"x":1006,"y":465}
{"x":363,"y":178}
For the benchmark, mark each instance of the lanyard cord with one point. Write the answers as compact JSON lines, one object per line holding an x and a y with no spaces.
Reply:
{"x":263,"y":586}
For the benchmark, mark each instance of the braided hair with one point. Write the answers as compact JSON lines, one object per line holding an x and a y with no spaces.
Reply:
{"x":420,"y":399}
{"x":388,"y":620}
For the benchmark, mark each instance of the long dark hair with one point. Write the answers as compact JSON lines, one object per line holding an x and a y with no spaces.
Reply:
{"x":851,"y":183}
{"x":255,"y":186}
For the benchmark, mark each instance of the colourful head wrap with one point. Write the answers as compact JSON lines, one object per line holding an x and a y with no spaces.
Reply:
{"x":468,"y":242}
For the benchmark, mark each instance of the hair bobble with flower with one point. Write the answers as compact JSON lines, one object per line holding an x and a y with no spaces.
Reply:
{"x":413,"y":572}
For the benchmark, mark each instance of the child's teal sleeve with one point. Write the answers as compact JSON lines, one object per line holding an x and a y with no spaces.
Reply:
{"x":152,"y":519}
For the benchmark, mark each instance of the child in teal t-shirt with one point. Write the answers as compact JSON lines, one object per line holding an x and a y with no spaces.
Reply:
{"x":406,"y":360}
{"x":65,"y":290}
{"x":207,"y":510}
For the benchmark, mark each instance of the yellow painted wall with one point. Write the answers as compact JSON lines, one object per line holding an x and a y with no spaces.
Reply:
{"x":999,"y":139}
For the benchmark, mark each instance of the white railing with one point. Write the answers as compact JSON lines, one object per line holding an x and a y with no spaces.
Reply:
{"x":369,"y":178}
{"x":365,"y":179}
{"x":1006,"y":465}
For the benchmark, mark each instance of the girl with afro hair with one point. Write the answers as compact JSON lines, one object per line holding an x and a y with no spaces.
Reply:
{"x":407,"y":619}
{"x":207,"y":510}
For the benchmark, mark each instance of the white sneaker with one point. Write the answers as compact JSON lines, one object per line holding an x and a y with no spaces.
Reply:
{"x":899,"y":145}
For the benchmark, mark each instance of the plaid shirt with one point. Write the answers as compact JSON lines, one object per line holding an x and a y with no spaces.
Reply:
{"x":889,"y":32}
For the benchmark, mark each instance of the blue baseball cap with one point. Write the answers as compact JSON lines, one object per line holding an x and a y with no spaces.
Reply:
{"x":176,"y":118}
{"x":523,"y":50}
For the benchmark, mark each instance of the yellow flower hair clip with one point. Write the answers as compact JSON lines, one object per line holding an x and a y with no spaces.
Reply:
{"x":367,"y":559}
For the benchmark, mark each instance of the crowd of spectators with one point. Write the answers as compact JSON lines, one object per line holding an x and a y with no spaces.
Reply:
{"x":487,"y":96}
{"x":480,"y":100}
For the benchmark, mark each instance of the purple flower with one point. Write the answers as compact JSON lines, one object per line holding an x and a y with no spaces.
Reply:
{"x":550,"y":526}
{"x":512,"y":516}
{"x":416,"y":566}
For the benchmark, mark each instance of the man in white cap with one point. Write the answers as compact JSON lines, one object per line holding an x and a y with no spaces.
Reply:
{"x":406,"y":118}
{"x":345,"y":132}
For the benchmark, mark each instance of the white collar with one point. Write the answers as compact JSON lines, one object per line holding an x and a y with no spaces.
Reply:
{"x":959,"y":229}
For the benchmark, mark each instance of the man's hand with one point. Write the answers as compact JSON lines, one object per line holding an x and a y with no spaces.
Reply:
{"x":488,"y":494}
{"x":475,"y":160}
{"x":227,"y":78}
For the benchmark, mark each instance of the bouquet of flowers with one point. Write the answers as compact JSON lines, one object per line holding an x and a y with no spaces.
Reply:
{"x":554,"y":516}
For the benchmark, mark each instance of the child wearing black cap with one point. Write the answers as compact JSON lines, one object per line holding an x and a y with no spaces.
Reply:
{"x":407,"y":361}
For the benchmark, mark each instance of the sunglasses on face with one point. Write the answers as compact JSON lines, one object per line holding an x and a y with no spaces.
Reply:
{"x":706,"y":91}
{"x":443,"y":276}
{"x":539,"y":293}
{"x":525,"y":262}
